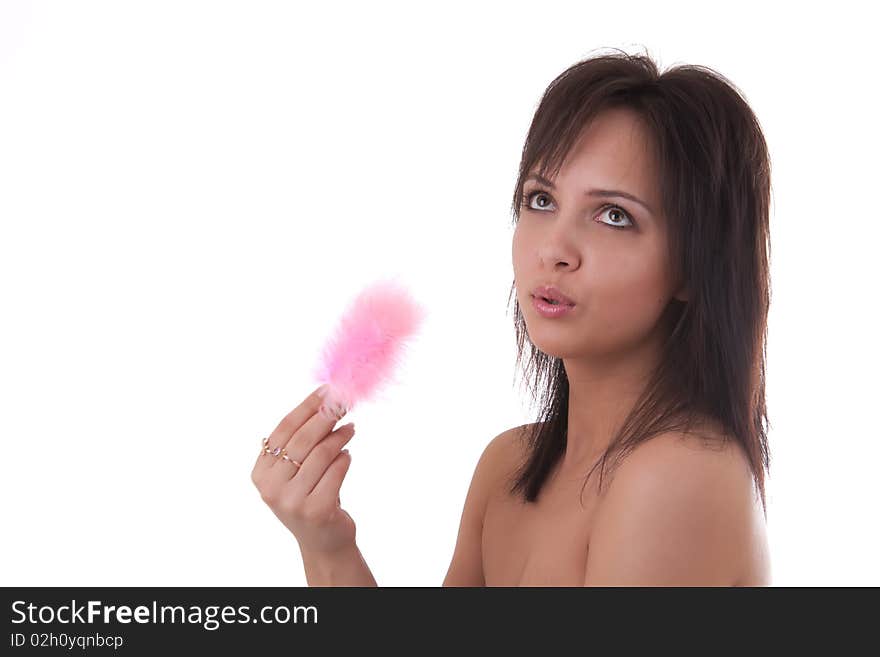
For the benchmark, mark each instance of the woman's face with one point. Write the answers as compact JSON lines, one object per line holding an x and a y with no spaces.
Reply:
{"x":618,"y":277}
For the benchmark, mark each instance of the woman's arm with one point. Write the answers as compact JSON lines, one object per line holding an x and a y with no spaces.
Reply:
{"x":343,"y":568}
{"x":466,"y":568}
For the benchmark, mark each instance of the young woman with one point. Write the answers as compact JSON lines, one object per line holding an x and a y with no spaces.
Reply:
{"x":641,"y":272}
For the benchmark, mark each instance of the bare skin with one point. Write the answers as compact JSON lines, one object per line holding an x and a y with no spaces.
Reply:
{"x":679,"y":510}
{"x":548,"y":543}
{"x":609,"y":256}
{"x":306,"y":497}
{"x":675,"y":513}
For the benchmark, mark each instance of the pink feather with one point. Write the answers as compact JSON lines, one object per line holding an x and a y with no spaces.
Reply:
{"x":367,"y":345}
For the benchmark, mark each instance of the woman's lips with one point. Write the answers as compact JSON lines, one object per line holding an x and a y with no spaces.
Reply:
{"x":549,"y":310}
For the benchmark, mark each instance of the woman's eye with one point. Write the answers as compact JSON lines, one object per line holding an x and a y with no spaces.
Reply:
{"x":612,"y":210}
{"x":617,"y":215}
{"x":527,"y":199}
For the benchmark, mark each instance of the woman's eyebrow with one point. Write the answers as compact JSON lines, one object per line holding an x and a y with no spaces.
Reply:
{"x":604,"y":193}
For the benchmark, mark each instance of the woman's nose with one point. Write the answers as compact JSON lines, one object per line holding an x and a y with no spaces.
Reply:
{"x":558,"y":249}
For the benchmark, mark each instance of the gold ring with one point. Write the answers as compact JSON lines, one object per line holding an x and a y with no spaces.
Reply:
{"x":290,"y":460}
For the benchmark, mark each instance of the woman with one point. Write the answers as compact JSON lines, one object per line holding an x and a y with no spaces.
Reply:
{"x":641,"y":273}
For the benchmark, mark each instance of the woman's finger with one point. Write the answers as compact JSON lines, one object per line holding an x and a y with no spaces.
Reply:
{"x":288,"y":426}
{"x":297,"y":433}
{"x":318,"y":459}
{"x":315,"y":430}
{"x":291,"y":422}
{"x":328,"y":486}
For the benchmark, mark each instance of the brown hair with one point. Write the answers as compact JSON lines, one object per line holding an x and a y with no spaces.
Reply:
{"x":715,"y":182}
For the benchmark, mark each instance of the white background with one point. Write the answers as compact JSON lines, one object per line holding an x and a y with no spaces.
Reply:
{"x":190,"y":192}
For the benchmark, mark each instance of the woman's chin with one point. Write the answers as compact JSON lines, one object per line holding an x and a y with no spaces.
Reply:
{"x":557,"y":348}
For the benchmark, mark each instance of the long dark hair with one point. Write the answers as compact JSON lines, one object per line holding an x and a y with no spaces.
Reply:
{"x":715,"y":181}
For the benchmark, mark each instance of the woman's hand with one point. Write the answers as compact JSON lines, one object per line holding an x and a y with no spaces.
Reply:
{"x":306,"y":498}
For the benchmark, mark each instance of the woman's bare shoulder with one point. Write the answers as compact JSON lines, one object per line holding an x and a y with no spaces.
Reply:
{"x":702,"y":465}
{"x":694,"y":487}
{"x":511,"y":445}
{"x":500,"y":456}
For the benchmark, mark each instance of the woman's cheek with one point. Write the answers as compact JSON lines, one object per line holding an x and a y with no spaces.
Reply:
{"x":626,"y":306}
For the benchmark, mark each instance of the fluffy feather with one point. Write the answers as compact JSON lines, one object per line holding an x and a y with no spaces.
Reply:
{"x":362,"y":354}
